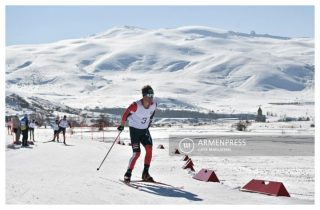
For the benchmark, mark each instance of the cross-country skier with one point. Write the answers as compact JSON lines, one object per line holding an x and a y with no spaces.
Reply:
{"x":63,"y":124}
{"x":140,"y":114}
{"x":55,"y":127}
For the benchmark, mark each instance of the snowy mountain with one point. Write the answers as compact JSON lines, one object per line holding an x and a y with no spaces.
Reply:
{"x":190,"y":67}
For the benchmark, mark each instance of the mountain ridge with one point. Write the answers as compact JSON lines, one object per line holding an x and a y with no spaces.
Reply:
{"x":193,"y":64}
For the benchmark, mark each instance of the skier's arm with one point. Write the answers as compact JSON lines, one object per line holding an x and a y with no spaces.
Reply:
{"x":132,"y":108}
{"x":151,"y":117}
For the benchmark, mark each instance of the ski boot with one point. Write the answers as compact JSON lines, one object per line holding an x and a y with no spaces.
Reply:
{"x":146,"y":177}
{"x":127,"y":176}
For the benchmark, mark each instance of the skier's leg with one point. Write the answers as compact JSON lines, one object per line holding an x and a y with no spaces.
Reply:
{"x":64,"y":135}
{"x":135,"y":155}
{"x":56,"y":134}
{"x":147,"y":143}
{"x":131,"y":165}
{"x":148,"y":157}
{"x":135,"y":144}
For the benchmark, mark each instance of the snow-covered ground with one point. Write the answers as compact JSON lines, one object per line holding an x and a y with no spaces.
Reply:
{"x":51,"y":173}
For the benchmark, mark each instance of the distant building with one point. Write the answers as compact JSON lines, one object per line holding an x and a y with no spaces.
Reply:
{"x":260,"y":116}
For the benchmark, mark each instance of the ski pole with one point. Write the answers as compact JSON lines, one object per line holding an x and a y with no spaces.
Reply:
{"x":109,"y":151}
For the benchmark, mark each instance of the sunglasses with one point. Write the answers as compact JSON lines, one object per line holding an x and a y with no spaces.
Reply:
{"x":150,"y":95}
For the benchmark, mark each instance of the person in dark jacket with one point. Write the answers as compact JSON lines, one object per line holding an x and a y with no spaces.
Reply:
{"x":24,"y":129}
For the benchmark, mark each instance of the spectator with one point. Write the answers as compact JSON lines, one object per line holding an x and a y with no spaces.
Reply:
{"x":16,"y":128}
{"x":9,"y":126}
{"x":24,"y":128}
{"x":32,"y":126}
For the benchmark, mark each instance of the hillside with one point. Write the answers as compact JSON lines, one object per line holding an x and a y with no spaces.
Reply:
{"x":190,"y":67}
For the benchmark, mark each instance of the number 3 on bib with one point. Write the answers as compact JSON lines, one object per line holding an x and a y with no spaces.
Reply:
{"x":144,"y":120}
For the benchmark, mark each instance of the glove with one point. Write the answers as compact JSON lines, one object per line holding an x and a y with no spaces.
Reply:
{"x":120,"y":128}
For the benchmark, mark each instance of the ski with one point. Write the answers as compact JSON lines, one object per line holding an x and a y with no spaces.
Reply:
{"x":49,"y":141}
{"x":129,"y":184}
{"x":156,"y":183}
{"x":141,"y":183}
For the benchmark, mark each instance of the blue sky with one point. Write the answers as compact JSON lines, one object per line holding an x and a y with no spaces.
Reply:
{"x":43,"y":24}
